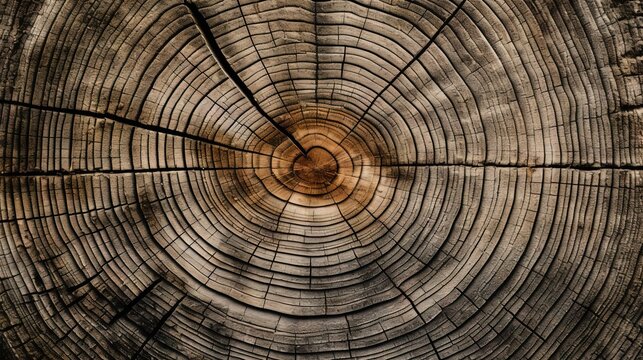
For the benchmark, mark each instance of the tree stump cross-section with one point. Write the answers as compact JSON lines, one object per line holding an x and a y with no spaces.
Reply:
{"x":297,"y":179}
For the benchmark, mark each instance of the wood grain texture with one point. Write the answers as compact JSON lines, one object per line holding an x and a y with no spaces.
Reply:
{"x":292,"y":179}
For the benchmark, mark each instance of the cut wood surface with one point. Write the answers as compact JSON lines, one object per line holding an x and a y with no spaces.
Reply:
{"x":293,"y":179}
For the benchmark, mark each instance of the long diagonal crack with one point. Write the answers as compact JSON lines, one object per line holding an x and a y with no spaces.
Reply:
{"x":125,"y":121}
{"x":80,"y":172}
{"x":413,"y":60}
{"x":220,"y":58}
{"x":158,"y":326}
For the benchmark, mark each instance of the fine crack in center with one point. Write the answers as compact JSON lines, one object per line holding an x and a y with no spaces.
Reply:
{"x":318,"y":167}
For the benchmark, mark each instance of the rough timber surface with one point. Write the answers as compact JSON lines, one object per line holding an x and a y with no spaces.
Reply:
{"x":294,"y":179}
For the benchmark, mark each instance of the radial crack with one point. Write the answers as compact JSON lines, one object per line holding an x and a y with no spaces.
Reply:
{"x":128,"y":307}
{"x":579,"y":166}
{"x":220,"y":58}
{"x":125,"y":121}
{"x":158,"y":326}
{"x":414,"y":59}
{"x":63,"y":172}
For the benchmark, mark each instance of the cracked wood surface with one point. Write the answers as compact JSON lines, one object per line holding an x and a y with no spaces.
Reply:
{"x":440,"y":179}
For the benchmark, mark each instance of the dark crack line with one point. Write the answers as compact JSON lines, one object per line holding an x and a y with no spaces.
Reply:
{"x":207,"y":95}
{"x":125,"y":121}
{"x":128,"y":307}
{"x":580,"y":167}
{"x":261,"y":61}
{"x":61,"y":173}
{"x":211,"y":42}
{"x":158,"y":326}
{"x":349,"y":335}
{"x":413,"y":60}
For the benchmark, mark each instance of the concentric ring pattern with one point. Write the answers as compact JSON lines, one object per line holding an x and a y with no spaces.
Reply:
{"x":470,"y":184}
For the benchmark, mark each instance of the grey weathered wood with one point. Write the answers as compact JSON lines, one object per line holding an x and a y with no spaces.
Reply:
{"x":473,"y":186}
